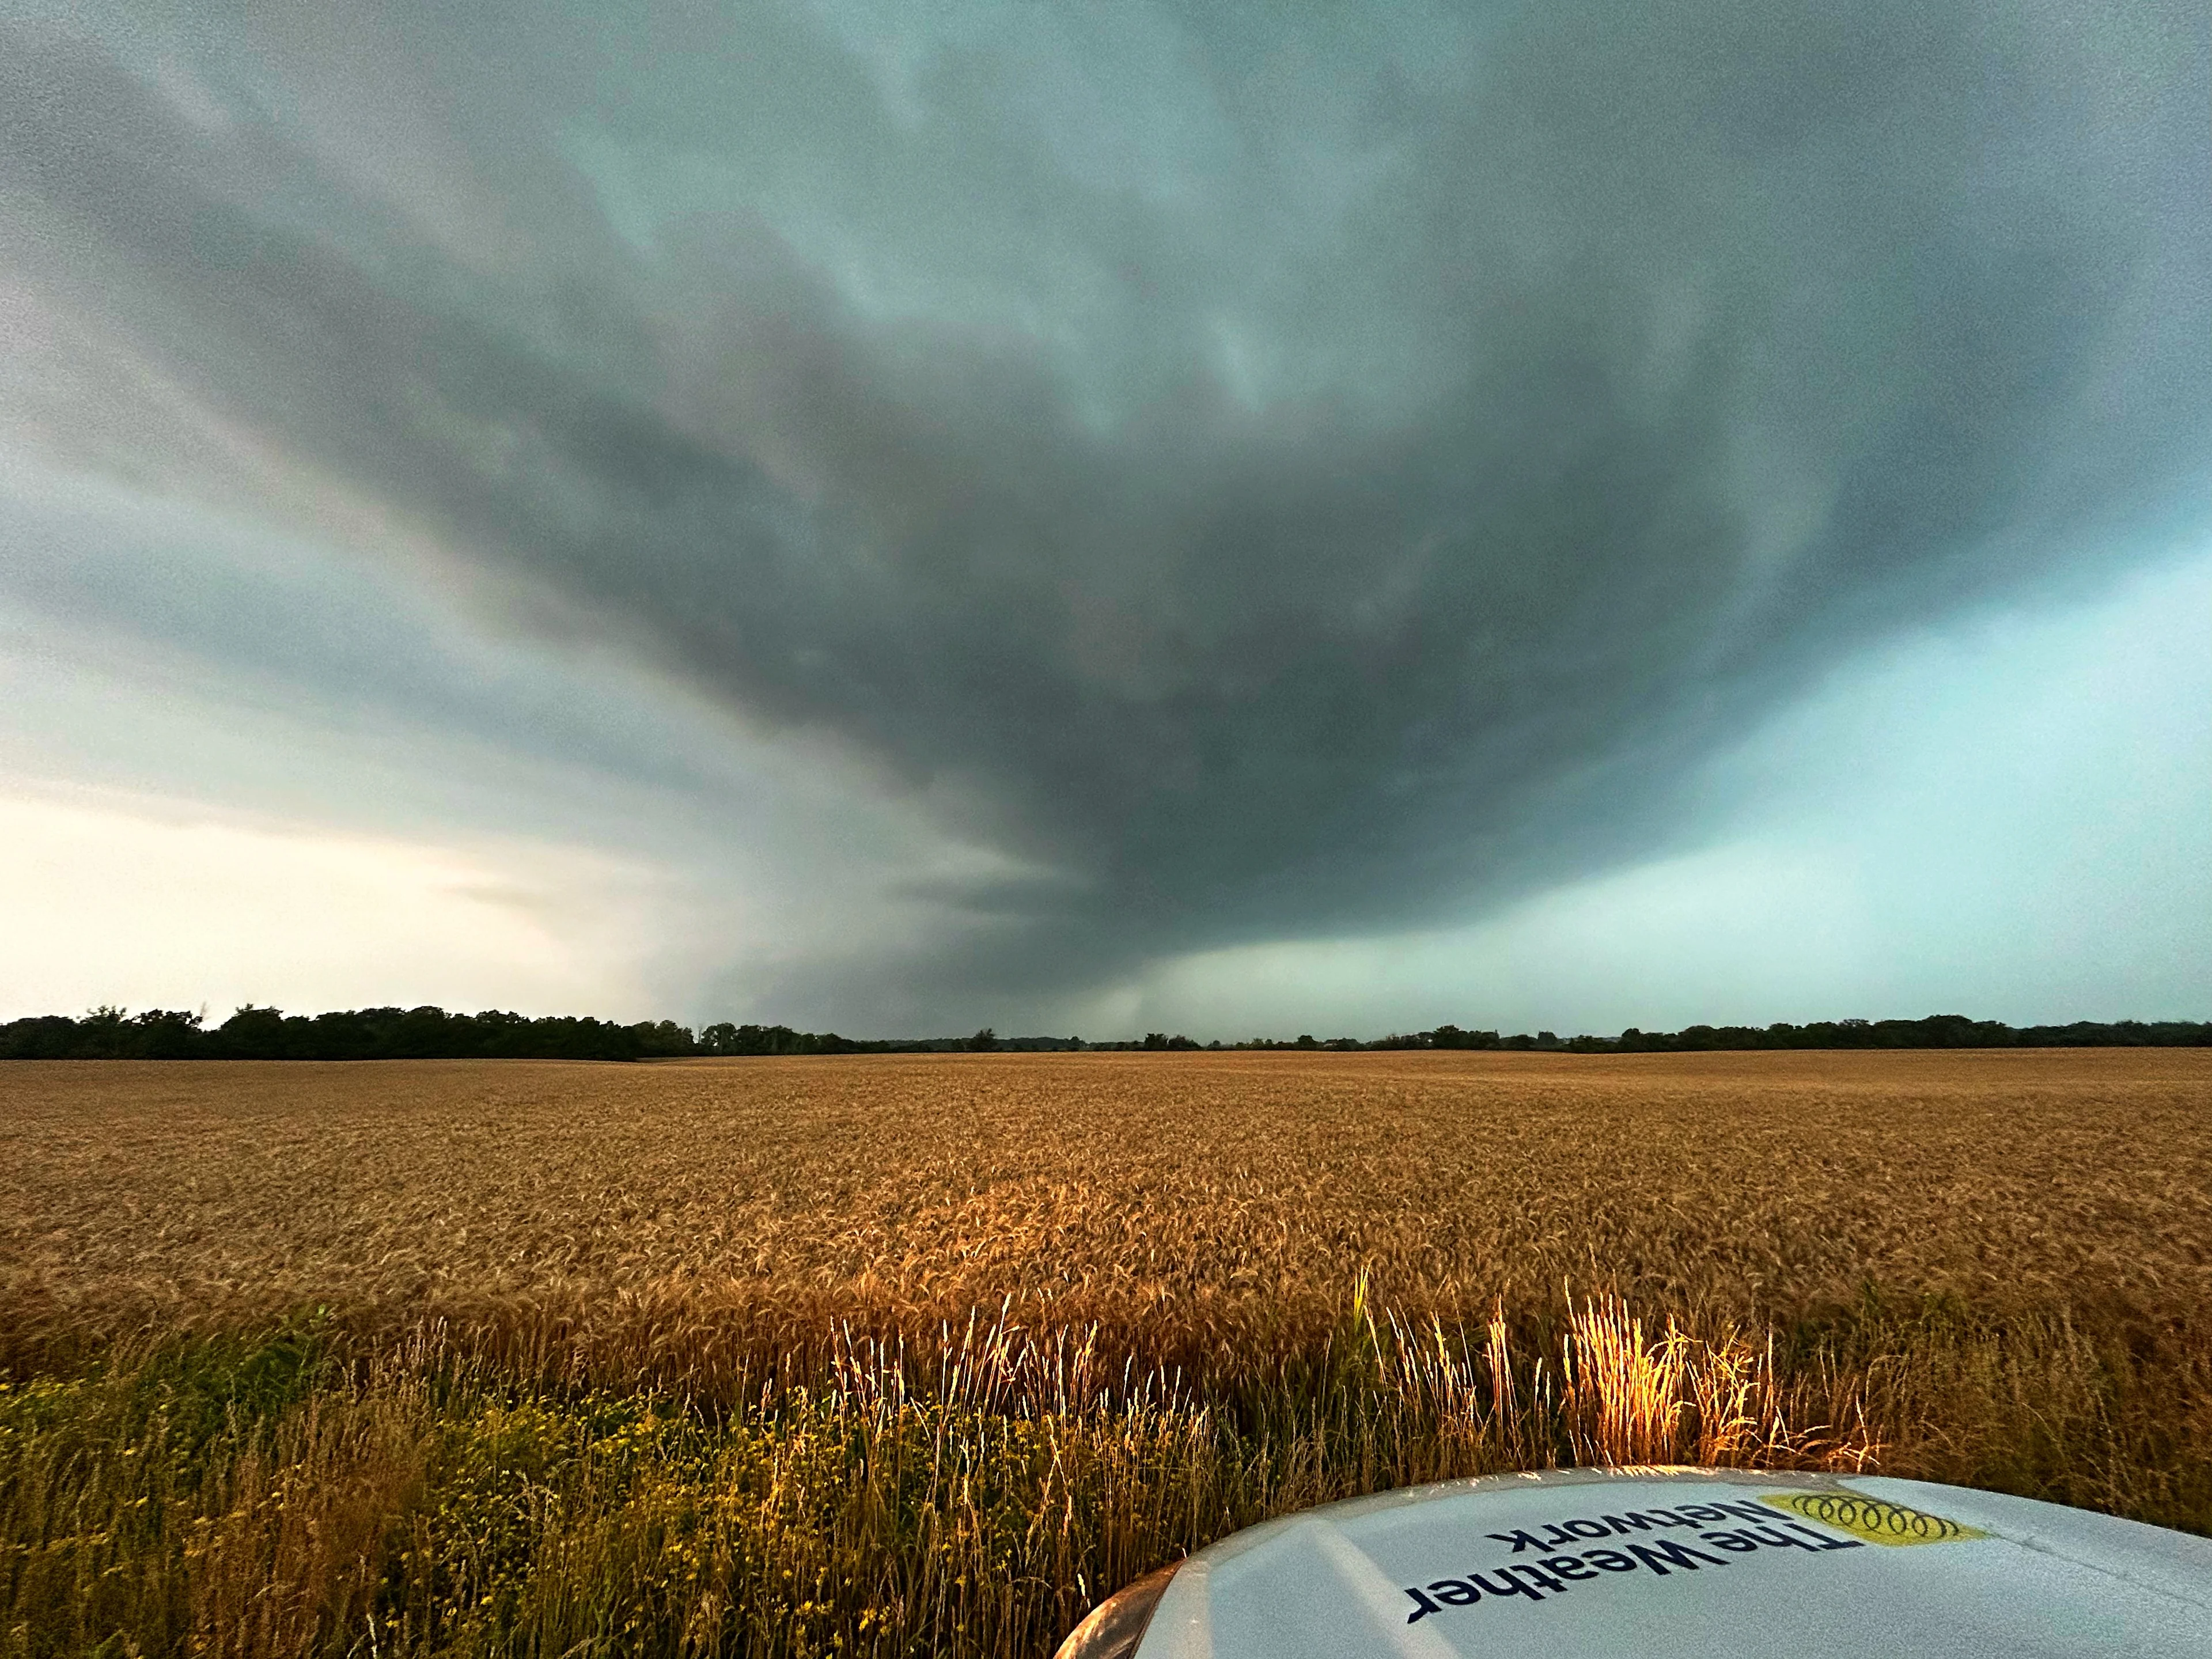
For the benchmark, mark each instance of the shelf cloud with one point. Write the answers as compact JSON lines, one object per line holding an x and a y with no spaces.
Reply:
{"x":1273,"y":474}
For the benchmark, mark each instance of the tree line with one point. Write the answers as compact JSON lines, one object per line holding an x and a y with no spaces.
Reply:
{"x":427,"y":1033}
{"x":254,"y":1033}
{"x":1935,"y":1031}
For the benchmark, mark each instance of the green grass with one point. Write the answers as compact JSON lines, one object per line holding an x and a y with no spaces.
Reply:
{"x":295,"y":1491}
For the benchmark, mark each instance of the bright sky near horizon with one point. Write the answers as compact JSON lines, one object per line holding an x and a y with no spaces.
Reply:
{"x":900,"y":519}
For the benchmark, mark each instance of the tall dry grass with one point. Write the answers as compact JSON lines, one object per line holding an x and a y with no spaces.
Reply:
{"x":826,"y":1357}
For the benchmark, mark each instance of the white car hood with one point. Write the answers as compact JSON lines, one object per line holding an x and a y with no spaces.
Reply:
{"x":1659,"y":1562}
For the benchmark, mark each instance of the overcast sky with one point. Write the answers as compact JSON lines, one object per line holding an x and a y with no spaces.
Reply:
{"x":1237,"y":519}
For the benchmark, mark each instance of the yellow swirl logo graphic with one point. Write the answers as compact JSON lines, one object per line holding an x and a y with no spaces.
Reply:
{"x":1870,"y":1518}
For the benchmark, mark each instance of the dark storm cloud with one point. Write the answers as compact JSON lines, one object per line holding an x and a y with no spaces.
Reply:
{"x":1269,"y":481}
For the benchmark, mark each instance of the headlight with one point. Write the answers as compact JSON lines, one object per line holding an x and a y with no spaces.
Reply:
{"x":1117,"y":1624}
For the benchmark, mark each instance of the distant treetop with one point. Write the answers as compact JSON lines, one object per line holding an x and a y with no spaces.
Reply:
{"x":427,"y":1033}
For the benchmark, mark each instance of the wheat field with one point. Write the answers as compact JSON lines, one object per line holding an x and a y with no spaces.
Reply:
{"x":923,"y":1355}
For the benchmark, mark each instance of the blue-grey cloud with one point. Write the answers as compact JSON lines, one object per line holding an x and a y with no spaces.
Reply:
{"x":1267,"y":477}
